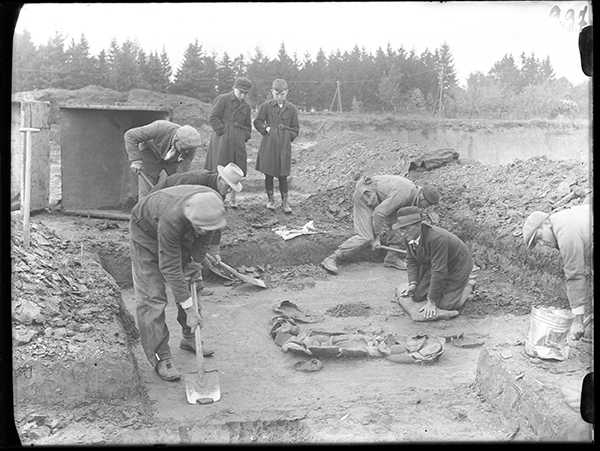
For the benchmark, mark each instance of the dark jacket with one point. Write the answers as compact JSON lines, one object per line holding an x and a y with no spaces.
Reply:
{"x":447,"y":257}
{"x":159,"y":224}
{"x":150,"y":143}
{"x":275,"y":152}
{"x":231,"y":122}
{"x":200,"y":177}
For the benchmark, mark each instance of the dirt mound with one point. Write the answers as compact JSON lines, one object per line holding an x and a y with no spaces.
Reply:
{"x":184,"y":110}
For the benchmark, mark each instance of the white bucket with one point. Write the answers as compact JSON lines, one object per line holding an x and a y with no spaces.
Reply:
{"x":548,"y":333}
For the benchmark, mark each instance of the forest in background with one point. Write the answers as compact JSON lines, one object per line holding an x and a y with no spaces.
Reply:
{"x":390,"y":81}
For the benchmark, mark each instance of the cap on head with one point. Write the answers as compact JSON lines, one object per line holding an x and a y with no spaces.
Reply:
{"x":206,"y":210}
{"x":232,"y":174}
{"x":243,"y":84}
{"x":531,"y":226}
{"x":280,"y":85}
{"x":431,"y":194}
{"x":407,"y":216}
{"x":188,"y":136}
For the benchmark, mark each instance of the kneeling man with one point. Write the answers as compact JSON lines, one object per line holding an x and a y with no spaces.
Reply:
{"x":438,"y":266}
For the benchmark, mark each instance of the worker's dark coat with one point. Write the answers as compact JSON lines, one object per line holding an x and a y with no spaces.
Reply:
{"x":150,"y":143}
{"x":159,"y":224}
{"x":201,"y":177}
{"x":275,"y":152}
{"x":231,"y":122}
{"x":445,"y":255}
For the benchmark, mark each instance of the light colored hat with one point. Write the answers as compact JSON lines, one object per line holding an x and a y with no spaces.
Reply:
{"x":232,"y":174}
{"x":431,"y":194}
{"x":188,"y":136}
{"x":206,"y":210}
{"x":407,"y":216}
{"x":279,"y":85}
{"x":243,"y":84}
{"x":530,"y":227}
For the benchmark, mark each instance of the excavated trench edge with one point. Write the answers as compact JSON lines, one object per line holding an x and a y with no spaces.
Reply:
{"x":522,"y":412}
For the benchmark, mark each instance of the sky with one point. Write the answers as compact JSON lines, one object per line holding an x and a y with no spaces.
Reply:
{"x":478,"y":33}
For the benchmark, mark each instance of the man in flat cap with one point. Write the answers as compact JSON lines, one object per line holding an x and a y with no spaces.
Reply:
{"x":160,"y":145}
{"x":376,"y":201}
{"x":277,"y":122}
{"x":438,"y":268}
{"x":229,"y":117}
{"x":224,"y":180}
{"x":570,"y":232}
{"x":170,"y":231}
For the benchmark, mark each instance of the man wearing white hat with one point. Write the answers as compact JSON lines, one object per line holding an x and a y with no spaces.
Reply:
{"x":160,"y":145}
{"x":570,"y":232}
{"x":169,"y":231}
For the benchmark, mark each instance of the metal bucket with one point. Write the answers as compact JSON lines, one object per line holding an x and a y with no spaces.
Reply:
{"x":548,"y":333}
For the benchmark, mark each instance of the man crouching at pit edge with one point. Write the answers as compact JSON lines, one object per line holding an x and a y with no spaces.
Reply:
{"x":438,"y":265}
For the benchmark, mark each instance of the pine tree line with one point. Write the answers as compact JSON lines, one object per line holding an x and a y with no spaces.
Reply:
{"x":391,"y":80}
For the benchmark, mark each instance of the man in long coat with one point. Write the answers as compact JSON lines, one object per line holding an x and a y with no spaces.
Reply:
{"x":230,"y":119}
{"x":160,"y":145}
{"x":277,"y":122}
{"x":569,"y":231}
{"x":376,"y":201}
{"x":438,"y":264}
{"x":170,"y":231}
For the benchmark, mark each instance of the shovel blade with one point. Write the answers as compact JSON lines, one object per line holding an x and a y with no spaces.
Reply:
{"x":203,"y":387}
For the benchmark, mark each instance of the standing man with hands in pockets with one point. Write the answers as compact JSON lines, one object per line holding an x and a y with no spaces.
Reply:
{"x":277,"y":122}
{"x":230,"y":119}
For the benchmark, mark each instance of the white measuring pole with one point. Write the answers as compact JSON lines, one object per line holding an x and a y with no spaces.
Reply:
{"x":27,"y":183}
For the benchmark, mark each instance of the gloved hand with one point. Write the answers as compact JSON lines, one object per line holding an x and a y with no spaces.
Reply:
{"x":136,"y":166}
{"x":193,"y":318}
{"x":192,"y":272}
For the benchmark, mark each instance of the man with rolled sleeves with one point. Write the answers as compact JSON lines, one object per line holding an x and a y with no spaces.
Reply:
{"x":229,"y":116}
{"x":376,"y":201}
{"x":438,"y":266}
{"x":570,"y":232}
{"x":169,"y":233}
{"x":160,"y":145}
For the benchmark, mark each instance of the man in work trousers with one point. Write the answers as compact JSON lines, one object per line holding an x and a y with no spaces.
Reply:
{"x":376,"y":201}
{"x":160,"y":145}
{"x":570,"y":232}
{"x":229,"y":117}
{"x":170,"y":231}
{"x":223,"y":181}
{"x":438,"y":265}
{"x":277,"y":122}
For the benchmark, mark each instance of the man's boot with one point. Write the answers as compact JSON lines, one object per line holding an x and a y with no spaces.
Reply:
{"x":392,"y":260}
{"x":330,"y":263}
{"x":271,"y":203}
{"x":284,"y":203}
{"x":189,"y":344}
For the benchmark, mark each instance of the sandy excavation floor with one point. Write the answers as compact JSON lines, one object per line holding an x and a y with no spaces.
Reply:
{"x":265,"y":399}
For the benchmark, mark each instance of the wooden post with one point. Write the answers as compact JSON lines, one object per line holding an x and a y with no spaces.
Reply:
{"x":338,"y":96}
{"x":27,"y":184}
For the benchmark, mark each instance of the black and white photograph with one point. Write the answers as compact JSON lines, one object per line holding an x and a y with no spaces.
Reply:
{"x":299,"y":223}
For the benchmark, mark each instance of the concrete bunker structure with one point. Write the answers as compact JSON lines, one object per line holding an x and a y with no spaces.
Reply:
{"x":94,"y":167}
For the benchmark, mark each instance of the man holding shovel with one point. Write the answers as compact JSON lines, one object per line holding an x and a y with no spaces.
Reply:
{"x":170,"y":231}
{"x":438,"y":266}
{"x":376,"y":201}
{"x":160,"y":145}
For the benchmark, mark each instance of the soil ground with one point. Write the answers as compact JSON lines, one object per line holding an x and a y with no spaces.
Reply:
{"x":265,"y":399}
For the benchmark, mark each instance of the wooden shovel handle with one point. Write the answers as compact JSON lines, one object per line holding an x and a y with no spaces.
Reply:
{"x":198,"y":337}
{"x":393,"y":249}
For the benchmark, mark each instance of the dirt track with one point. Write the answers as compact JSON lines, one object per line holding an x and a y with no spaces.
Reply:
{"x":265,"y":399}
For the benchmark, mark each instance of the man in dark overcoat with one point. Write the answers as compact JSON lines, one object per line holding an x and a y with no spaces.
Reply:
{"x":229,"y":116}
{"x":277,"y":122}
